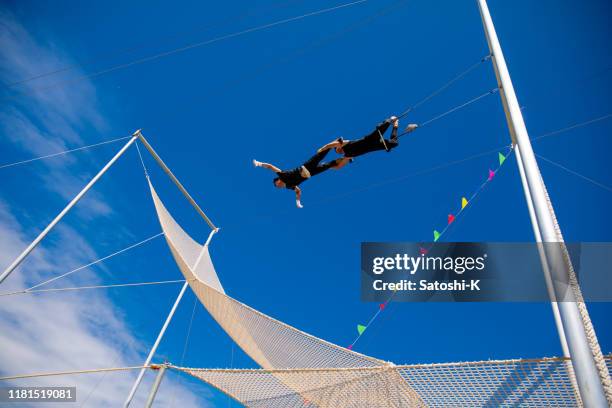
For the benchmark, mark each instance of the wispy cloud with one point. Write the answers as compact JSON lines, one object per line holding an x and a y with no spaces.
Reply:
{"x":42,"y":120}
{"x":51,"y":332}
{"x":78,"y":330}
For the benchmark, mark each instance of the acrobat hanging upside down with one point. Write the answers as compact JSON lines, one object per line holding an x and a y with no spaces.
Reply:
{"x":291,"y":179}
{"x":372,"y":142}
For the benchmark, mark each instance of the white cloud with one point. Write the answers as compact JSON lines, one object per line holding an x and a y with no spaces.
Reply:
{"x":68,"y":331}
{"x":60,"y":331}
{"x":41,"y":118}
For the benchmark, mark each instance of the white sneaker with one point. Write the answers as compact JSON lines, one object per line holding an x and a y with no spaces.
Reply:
{"x":256,"y":163}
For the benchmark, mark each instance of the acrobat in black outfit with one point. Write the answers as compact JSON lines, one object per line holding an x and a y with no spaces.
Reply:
{"x":372,"y":142}
{"x":291,"y":179}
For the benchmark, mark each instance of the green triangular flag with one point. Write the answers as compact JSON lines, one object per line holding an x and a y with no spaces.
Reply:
{"x":502,"y":158}
{"x":361,"y":328}
{"x":436,"y":236}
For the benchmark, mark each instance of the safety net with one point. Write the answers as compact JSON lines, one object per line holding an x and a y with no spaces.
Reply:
{"x":272,"y":344}
{"x":538,"y":383}
{"x":301,"y":370}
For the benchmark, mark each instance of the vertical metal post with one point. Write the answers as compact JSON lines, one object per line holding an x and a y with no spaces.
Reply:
{"x":71,"y":204}
{"x":547,"y":276}
{"x":587,"y":376}
{"x":538,"y":238}
{"x":155,"y":387}
{"x":154,"y":348}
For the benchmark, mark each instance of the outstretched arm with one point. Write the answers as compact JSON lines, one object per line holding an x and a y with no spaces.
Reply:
{"x":298,"y":197}
{"x":336,"y":143}
{"x":266,"y":166}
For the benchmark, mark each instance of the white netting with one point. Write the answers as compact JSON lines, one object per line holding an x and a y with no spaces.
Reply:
{"x":190,"y":256}
{"x":506,"y":383}
{"x":604,"y":374}
{"x":329,"y":388}
{"x":300,"y":370}
{"x":271,"y":343}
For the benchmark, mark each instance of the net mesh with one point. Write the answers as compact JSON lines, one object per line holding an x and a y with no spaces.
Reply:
{"x":301,"y":370}
{"x":271,"y":343}
{"x":604,"y":373}
{"x":502,"y":383}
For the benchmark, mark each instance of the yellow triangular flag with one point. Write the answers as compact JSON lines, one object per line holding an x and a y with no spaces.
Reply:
{"x":464,"y":202}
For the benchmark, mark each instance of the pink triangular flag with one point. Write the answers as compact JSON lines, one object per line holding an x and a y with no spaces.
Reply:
{"x":422,"y":251}
{"x":350,"y":347}
{"x":451,"y":218}
{"x":491,"y":174}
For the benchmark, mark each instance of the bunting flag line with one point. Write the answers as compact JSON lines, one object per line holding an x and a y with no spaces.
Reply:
{"x":437,"y":235}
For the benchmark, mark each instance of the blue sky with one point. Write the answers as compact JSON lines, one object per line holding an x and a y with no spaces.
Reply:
{"x":276,"y":95}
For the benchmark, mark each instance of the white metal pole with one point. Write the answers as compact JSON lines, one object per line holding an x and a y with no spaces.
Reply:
{"x":154,"y":348}
{"x":175,"y":180}
{"x":155,"y":387}
{"x":587,"y":376}
{"x":538,"y":238}
{"x":549,"y":284}
{"x":71,"y":204}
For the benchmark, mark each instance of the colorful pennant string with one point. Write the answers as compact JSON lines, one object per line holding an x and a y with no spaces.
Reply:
{"x":437,"y":235}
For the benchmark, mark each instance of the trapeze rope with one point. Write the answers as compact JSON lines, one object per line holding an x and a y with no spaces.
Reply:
{"x":201,"y":43}
{"x":456,"y":108}
{"x":64,"y":152}
{"x":146,"y":173}
{"x":438,"y":167}
{"x":575,"y":126}
{"x":56,"y":373}
{"x":575,"y":173}
{"x":445,"y":86}
{"x":186,"y":345}
{"x":144,"y":241}
{"x":118,"y":285}
{"x":100,"y":58}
